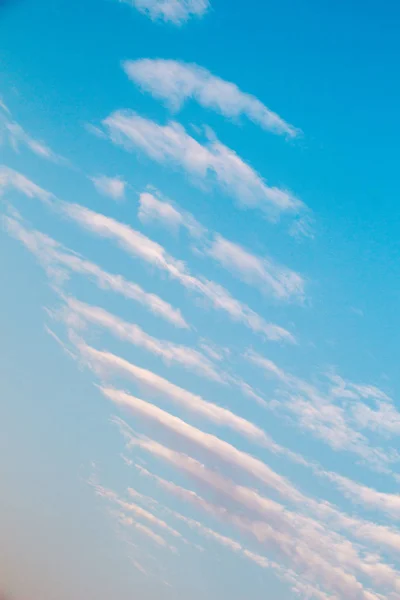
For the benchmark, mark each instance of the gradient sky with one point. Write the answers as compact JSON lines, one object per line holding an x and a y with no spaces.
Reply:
{"x":199,"y":313}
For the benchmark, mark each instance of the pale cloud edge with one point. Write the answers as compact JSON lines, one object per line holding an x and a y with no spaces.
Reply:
{"x":175,"y":82}
{"x":113,"y":187}
{"x":171,"y":11}
{"x":211,"y":161}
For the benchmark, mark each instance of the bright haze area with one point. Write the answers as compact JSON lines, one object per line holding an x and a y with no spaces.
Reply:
{"x":199,"y":324}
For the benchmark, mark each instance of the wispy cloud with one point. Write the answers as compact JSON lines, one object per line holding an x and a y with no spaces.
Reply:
{"x":261,"y":272}
{"x":151,"y":252}
{"x":16,"y":136}
{"x":59,"y":260}
{"x":319,"y":555}
{"x":78,"y":313}
{"x":319,"y":518}
{"x":217,"y":447}
{"x":104,"y":363}
{"x":171,"y":11}
{"x":175,"y":82}
{"x":190,"y":497}
{"x":10,"y":179}
{"x":366,"y":496}
{"x":113,"y":187}
{"x":138,"y":511}
{"x":152,"y":209}
{"x":334,"y":414}
{"x":211,"y":161}
{"x":329,"y":558}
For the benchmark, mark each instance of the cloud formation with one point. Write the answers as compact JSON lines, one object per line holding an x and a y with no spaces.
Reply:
{"x":149,"y":251}
{"x":140,"y":246}
{"x":261,"y":272}
{"x":77,"y":313}
{"x":175,"y":82}
{"x":209,"y":162}
{"x":105,"y":363}
{"x":322,"y":556}
{"x":60,"y":261}
{"x":335,"y":414}
{"x":113,"y":187}
{"x":171,"y":11}
{"x":16,"y":136}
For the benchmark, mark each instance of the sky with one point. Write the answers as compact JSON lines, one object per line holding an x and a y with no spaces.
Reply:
{"x":199,"y":311}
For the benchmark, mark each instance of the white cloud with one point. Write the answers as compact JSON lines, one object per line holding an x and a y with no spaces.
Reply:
{"x":14,"y":180}
{"x":324,"y":520}
{"x":261,"y":272}
{"x":255,"y":270}
{"x":212,"y":161}
{"x":217,"y":447}
{"x":320,"y":555}
{"x":54,"y":256}
{"x":78,"y":313}
{"x":176,"y":82}
{"x":151,"y":252}
{"x":159,"y":211}
{"x":171,"y":11}
{"x":114,"y":187}
{"x":104,"y":363}
{"x":16,"y":136}
{"x":138,"y":511}
{"x":367,"y":496}
{"x":334,"y":415}
{"x":144,"y":248}
{"x":155,"y":537}
{"x":4,"y":106}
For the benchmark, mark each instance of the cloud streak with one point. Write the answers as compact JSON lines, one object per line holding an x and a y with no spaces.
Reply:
{"x":176,"y":82}
{"x":212,"y":161}
{"x":76,"y":314}
{"x":142,"y":247}
{"x":260,"y":272}
{"x":55,"y":258}
{"x":333,"y":414}
{"x":113,"y":187}
{"x":319,"y":553}
{"x":171,"y":11}
{"x":104,"y":363}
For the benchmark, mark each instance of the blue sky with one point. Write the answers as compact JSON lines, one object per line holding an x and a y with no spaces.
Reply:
{"x":199,"y":313}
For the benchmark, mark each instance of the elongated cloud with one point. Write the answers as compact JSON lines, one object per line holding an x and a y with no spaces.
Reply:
{"x":149,"y":251}
{"x":52,"y":255}
{"x":171,"y":11}
{"x":330,"y":414}
{"x":260,"y":272}
{"x":255,"y":270}
{"x":138,"y":511}
{"x":16,"y":136}
{"x":288,"y":575}
{"x":367,"y":496}
{"x":216,"y":446}
{"x":105,"y":362}
{"x":144,"y":529}
{"x":301,"y":539}
{"x":114,"y":187}
{"x":212,"y":161}
{"x":152,"y":209}
{"x":319,"y":519}
{"x":10,"y":179}
{"x":176,"y":82}
{"x":172,"y":353}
